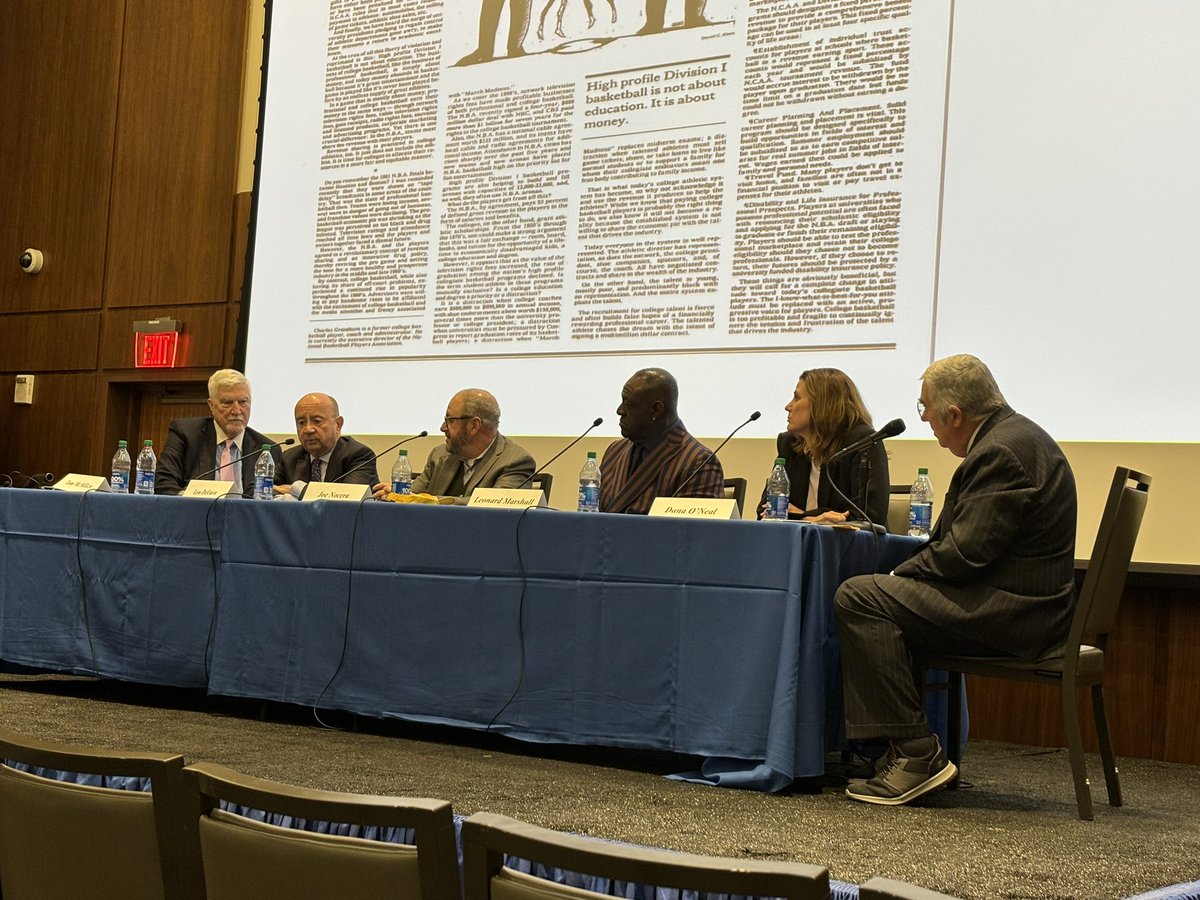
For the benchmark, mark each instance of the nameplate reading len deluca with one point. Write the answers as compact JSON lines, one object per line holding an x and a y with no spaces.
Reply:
{"x":198,"y":487}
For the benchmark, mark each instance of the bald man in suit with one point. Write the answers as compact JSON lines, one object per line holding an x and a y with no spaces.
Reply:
{"x":996,"y":578}
{"x":656,"y":456}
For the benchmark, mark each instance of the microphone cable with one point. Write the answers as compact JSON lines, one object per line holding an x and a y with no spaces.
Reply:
{"x":316,"y":707}
{"x":524,"y":576}
{"x":83,"y":602}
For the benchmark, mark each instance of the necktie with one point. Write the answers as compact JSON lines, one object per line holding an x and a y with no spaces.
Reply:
{"x":316,"y":470}
{"x":225,"y":472}
{"x":636,"y":454}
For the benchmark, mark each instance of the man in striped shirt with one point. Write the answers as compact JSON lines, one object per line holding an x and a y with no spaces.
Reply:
{"x":656,"y":456}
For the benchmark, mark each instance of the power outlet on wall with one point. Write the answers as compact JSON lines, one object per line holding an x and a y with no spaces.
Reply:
{"x":23,"y":393}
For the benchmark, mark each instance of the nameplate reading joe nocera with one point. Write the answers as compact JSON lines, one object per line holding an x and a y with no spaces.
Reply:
{"x":199,"y":487}
{"x":507,"y":498}
{"x":695,"y":508}
{"x":81,"y":484}
{"x":329,"y":490}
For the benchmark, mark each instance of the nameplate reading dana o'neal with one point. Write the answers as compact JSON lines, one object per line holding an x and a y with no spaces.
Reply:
{"x":507,"y":498}
{"x":199,"y":487}
{"x":330,"y":490}
{"x":81,"y":484}
{"x":695,"y":508}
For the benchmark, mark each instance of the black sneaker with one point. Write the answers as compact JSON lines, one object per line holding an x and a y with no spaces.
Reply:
{"x":902,"y":779}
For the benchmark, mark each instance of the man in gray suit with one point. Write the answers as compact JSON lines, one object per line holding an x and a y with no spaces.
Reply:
{"x":997,"y":577}
{"x":475,"y":454}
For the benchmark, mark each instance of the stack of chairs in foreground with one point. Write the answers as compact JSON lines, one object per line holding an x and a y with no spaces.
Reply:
{"x":85,"y":822}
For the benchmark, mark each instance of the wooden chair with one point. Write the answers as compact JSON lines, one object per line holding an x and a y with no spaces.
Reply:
{"x":247,"y":858}
{"x":1078,"y":664}
{"x":897,"y":515}
{"x":65,"y":839}
{"x":488,"y":837}
{"x":543,"y":480}
{"x":735,"y":489}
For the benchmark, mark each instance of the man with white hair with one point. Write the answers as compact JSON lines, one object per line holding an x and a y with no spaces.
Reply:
{"x":996,"y":578}
{"x":221,"y":447}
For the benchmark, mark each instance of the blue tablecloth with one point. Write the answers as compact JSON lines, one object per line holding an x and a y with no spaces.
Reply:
{"x":118,"y":586}
{"x":708,"y":638}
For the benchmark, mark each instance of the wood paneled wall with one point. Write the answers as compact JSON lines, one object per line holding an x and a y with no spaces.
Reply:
{"x":122,"y":124}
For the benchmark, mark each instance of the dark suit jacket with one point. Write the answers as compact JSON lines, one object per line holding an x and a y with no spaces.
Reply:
{"x":505,"y":465}
{"x":191,"y":451}
{"x":1003,"y":548}
{"x":660,"y":474}
{"x":845,"y":473}
{"x":296,"y":464}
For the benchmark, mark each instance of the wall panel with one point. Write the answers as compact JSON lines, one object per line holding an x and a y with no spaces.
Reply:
{"x":175,"y":170}
{"x":59,"y":64}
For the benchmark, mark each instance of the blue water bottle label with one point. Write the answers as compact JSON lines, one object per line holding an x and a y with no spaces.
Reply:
{"x":264,"y":487}
{"x":401,"y":487}
{"x":779,"y":506}
{"x":145,"y":482}
{"x":589,"y":497}
{"x":920,"y":517}
{"x":120,"y":482}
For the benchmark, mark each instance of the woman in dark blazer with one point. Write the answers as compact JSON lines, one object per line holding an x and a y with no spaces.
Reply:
{"x":826,"y":414}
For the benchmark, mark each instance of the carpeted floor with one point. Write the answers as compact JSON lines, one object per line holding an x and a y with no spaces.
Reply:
{"x":1012,"y":833}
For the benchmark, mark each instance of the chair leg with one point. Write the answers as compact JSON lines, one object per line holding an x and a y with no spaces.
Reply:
{"x":1111,"y":778}
{"x":1083,"y":793}
{"x":954,"y":724}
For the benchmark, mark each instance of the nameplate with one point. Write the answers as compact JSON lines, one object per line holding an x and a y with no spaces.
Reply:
{"x":198,"y":487}
{"x":331,"y":490}
{"x":695,"y":508}
{"x":507,"y":498}
{"x":81,"y":484}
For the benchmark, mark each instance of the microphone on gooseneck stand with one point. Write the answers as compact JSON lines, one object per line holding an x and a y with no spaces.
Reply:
{"x":286,"y":442}
{"x":599,"y":421}
{"x":891,"y":429}
{"x":704,"y":462}
{"x":375,"y":456}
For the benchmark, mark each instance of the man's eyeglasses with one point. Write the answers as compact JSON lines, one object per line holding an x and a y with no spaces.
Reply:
{"x":449,"y":419}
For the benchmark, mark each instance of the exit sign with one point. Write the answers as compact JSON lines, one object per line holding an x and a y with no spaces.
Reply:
{"x":155,"y":344}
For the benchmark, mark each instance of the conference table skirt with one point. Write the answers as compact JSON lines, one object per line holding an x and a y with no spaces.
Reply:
{"x":700,"y":637}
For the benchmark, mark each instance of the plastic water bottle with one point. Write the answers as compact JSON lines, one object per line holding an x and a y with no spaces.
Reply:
{"x":402,"y":474}
{"x":264,"y":475}
{"x":589,"y":484}
{"x":920,"y":505}
{"x":146,"y":464}
{"x":779,"y":489}
{"x":121,"y":464}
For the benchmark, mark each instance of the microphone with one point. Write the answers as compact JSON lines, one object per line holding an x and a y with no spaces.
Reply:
{"x":704,"y":462}
{"x":40,"y":480}
{"x":891,"y":429}
{"x":599,"y":421}
{"x":375,"y":456}
{"x":286,"y":442}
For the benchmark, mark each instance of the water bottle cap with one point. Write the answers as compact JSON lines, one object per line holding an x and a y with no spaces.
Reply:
{"x":121,"y":444}
{"x":403,"y":452}
{"x":591,"y":454}
{"x":922,"y":471}
{"x":779,"y":461}
{"x":147,"y":443}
